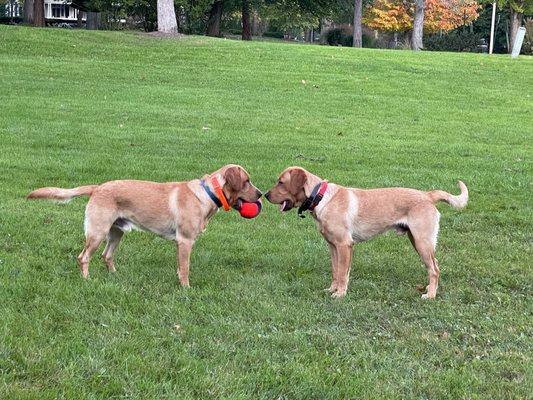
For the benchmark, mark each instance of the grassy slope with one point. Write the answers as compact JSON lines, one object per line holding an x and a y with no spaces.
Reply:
{"x":80,"y":107}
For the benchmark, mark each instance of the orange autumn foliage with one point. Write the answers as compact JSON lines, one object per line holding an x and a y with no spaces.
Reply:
{"x":440,"y":15}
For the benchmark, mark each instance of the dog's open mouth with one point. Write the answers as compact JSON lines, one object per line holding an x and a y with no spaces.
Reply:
{"x":285,"y":206}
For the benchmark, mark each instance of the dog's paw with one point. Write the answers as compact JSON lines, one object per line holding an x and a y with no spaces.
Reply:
{"x":331,"y":289}
{"x":426,"y":296}
{"x":339,"y":294}
{"x":184,"y":283}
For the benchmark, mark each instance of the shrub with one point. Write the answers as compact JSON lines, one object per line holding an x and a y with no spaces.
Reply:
{"x":234,"y":31}
{"x":454,"y":41}
{"x":339,"y":37}
{"x":276,"y":35}
{"x":336,"y":37}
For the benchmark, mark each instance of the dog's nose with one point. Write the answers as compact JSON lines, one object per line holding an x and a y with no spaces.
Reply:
{"x":267,"y":195}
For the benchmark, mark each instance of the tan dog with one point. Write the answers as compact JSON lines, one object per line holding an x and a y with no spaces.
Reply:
{"x":347,"y":215}
{"x":176,"y":211}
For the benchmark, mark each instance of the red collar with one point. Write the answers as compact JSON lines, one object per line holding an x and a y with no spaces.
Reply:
{"x":319,"y":195}
{"x":220,"y":194}
{"x":312,"y":201}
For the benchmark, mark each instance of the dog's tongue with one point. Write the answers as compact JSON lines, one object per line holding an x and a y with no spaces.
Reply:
{"x":282,"y":206}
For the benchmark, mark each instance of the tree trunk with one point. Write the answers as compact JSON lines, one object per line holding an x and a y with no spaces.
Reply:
{"x":215,"y":15}
{"x":28,"y":12}
{"x":93,"y":20}
{"x":38,"y":13}
{"x":357,"y":31}
{"x":166,"y":17}
{"x":516,"y":21}
{"x":246,"y":23}
{"x":255,"y":24}
{"x":418,"y":26}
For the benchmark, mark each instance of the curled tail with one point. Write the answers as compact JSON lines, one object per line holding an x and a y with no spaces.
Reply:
{"x":458,"y":202}
{"x":62,"y":195}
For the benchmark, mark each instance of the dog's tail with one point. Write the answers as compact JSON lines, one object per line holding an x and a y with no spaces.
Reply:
{"x":61,"y":195}
{"x":458,"y":202}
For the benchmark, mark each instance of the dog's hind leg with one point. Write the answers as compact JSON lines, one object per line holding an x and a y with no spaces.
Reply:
{"x":98,"y":222}
{"x":113,"y":239}
{"x":424,"y":228}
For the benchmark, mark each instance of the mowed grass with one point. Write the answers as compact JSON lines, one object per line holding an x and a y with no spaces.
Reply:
{"x":83,"y":107}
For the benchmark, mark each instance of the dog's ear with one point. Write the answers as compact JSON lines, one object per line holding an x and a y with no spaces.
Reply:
{"x":235,"y":178}
{"x":297,"y":181}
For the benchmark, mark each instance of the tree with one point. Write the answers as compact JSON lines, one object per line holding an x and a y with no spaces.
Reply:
{"x":38,"y":13}
{"x":299,"y":14}
{"x":28,"y":12}
{"x":443,"y":16}
{"x":418,"y":26}
{"x":439,"y":16}
{"x":357,"y":18}
{"x":388,"y":16}
{"x":517,"y":9}
{"x":166,"y":17}
{"x":246,"y":23}
{"x":215,"y":16}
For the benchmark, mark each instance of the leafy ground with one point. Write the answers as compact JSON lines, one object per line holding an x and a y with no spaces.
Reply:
{"x":83,"y":107}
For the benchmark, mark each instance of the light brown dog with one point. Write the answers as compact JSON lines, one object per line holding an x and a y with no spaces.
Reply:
{"x":347,"y":215}
{"x":176,"y":211}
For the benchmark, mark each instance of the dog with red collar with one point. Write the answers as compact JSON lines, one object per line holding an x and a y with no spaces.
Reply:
{"x":346,"y":216}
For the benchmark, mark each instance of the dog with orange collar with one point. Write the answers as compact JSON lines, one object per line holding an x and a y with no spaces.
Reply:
{"x":246,"y":209}
{"x":177,"y":211}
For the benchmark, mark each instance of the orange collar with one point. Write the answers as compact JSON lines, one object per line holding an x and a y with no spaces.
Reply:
{"x":220,"y":194}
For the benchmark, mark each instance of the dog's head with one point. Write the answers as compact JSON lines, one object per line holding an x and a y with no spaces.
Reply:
{"x":236,"y":185}
{"x":289,"y":191}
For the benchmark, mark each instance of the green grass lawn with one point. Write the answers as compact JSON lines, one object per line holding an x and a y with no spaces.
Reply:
{"x":80,"y":107}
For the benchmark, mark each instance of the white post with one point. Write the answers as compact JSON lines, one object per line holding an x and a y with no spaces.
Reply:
{"x":491,"y":45}
{"x":517,"y":46}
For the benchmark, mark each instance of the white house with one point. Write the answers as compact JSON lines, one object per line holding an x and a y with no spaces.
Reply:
{"x":54,"y":10}
{"x":61,"y":10}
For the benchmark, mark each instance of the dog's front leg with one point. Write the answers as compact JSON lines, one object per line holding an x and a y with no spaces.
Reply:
{"x":344,"y":261}
{"x":333,"y":253}
{"x":184,"y":257}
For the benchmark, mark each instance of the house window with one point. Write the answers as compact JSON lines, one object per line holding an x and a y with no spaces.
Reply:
{"x":56,"y":10}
